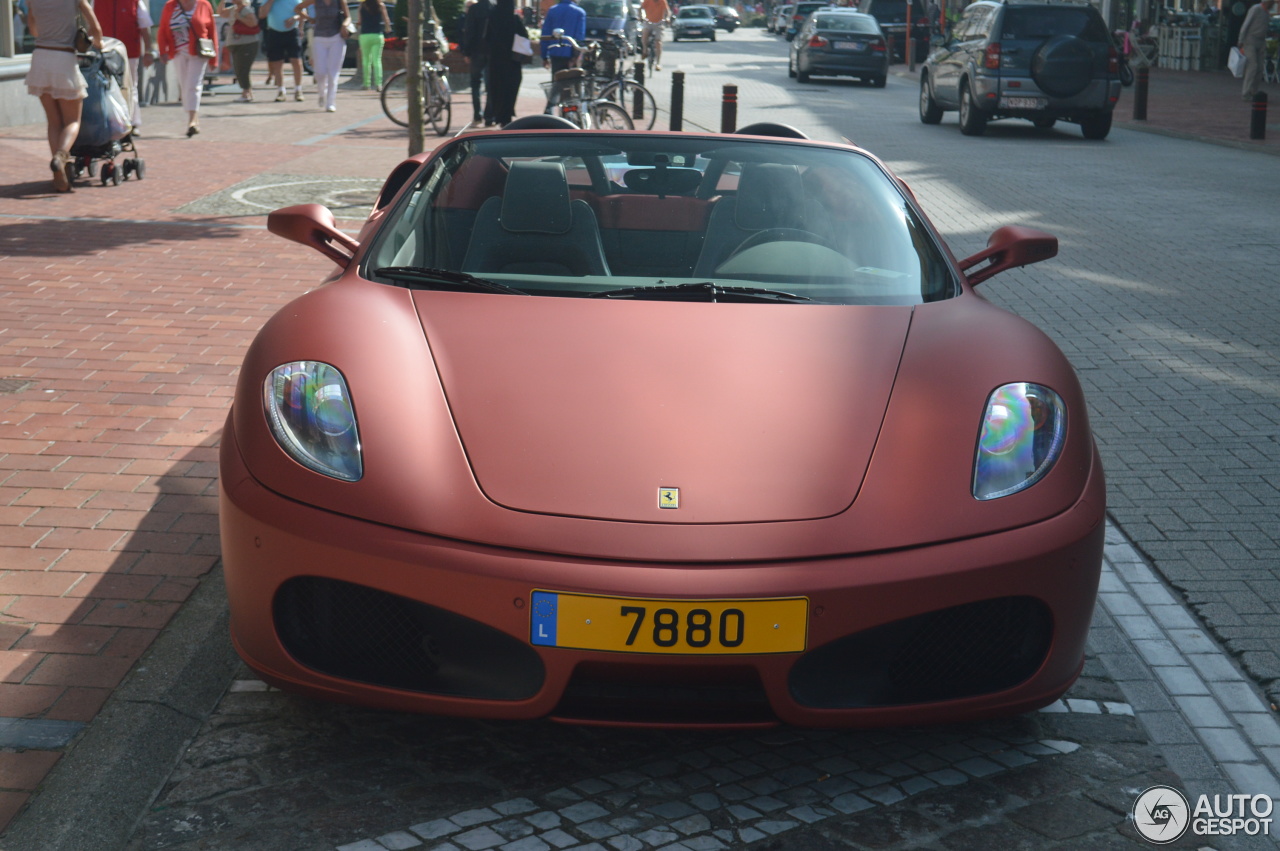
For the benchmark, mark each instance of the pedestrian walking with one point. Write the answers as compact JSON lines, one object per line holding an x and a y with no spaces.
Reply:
{"x":1252,"y":42}
{"x":55,"y":75}
{"x":243,"y":42}
{"x":505,"y":72}
{"x":475,"y":23}
{"x":281,"y":41}
{"x":188,"y":40}
{"x":375,"y":26}
{"x":329,"y":43}
{"x":130,"y":22}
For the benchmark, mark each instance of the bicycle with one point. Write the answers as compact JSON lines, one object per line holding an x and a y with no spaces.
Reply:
{"x":651,"y":44}
{"x":571,"y":93}
{"x":614,"y":85}
{"x":437,"y":107}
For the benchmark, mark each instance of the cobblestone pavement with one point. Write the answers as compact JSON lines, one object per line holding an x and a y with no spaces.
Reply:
{"x":123,"y":312}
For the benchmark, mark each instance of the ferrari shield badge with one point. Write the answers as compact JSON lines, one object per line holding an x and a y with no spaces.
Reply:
{"x":668,"y":497}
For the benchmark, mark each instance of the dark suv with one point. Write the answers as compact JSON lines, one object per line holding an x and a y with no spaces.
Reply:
{"x":1038,"y":61}
{"x":892,"y":17}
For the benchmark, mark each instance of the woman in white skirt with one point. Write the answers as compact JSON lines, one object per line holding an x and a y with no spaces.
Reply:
{"x":183,"y":23}
{"x":55,"y":75}
{"x":329,"y":40}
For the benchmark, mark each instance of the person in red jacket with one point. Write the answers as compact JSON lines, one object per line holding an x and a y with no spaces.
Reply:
{"x":183,"y":24}
{"x":130,"y":22}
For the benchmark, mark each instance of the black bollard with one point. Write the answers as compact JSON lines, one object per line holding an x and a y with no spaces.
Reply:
{"x":1258,"y":118}
{"x":677,"y":100}
{"x":1141,"y":80}
{"x":729,"y":110}
{"x":637,"y":97}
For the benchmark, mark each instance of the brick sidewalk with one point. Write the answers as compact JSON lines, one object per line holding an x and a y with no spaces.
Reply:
{"x":122,"y":324}
{"x":1201,"y":105}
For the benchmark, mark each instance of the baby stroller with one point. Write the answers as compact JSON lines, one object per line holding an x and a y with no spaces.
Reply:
{"x":105,"y":124}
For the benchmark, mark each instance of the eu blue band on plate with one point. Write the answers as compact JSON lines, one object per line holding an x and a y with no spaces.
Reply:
{"x":542,"y":629}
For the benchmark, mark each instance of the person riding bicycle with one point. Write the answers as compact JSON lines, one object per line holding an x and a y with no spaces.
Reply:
{"x":654,"y":14}
{"x":572,"y":19}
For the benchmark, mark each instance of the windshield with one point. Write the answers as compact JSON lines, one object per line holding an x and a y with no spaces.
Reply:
{"x":603,"y":8}
{"x":690,"y":218}
{"x":699,"y":12}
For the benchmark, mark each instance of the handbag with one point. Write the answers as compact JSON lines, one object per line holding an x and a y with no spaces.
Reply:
{"x":204,"y":47}
{"x":1236,"y":61}
{"x":239,"y":27}
{"x":522,"y":49}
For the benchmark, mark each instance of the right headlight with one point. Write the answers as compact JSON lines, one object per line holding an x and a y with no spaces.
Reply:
{"x":311,"y":416}
{"x":1022,"y":434}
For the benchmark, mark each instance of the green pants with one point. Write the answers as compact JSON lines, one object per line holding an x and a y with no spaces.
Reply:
{"x":371,"y":58}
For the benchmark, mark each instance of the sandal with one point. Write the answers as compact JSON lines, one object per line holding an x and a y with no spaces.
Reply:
{"x":60,"y":165}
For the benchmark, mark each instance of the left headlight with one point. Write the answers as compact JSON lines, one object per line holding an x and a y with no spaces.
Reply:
{"x":312,"y":418}
{"x":1022,"y":435}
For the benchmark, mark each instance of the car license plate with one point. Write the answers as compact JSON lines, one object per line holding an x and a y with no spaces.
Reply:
{"x":688,"y":627}
{"x":1020,"y":103}
{"x":855,"y":46}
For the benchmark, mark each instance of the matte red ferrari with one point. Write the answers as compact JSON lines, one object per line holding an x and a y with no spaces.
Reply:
{"x":660,"y":429}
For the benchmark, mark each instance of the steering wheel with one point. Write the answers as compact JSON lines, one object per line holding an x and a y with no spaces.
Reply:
{"x":781,"y":235}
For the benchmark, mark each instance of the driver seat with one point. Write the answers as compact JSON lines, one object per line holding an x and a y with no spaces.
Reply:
{"x":770,"y":195}
{"x":534,"y":228}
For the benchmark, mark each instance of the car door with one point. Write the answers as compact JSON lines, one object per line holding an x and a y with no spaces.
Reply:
{"x":948,"y":60}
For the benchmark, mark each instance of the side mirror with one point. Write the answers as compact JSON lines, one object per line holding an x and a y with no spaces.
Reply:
{"x":1008,"y":248}
{"x":313,"y":225}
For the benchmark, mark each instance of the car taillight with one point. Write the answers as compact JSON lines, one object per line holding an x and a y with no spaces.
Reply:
{"x":877,"y":46}
{"x":991,"y":60}
{"x":818,"y":41}
{"x":1113,"y":61}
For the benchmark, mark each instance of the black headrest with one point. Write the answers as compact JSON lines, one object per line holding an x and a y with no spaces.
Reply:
{"x":771,"y":128}
{"x":667,"y":181}
{"x":536,"y":199}
{"x":539,"y":121}
{"x":770,"y":195}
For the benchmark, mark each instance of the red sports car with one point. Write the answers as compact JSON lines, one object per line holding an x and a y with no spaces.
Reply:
{"x":659,"y":429}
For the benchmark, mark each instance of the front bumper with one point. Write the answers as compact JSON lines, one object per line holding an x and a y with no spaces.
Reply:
{"x":303,"y":579}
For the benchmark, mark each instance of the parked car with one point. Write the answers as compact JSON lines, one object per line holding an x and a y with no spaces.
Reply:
{"x":694,"y":22}
{"x":1039,"y":61}
{"x":800,"y":13}
{"x":840,"y":42}
{"x":606,"y":16}
{"x":777,"y":22}
{"x":736,"y":445}
{"x":892,"y":17}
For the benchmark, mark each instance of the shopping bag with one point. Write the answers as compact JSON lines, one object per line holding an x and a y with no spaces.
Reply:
{"x":1236,"y":62}
{"x":522,"y":50}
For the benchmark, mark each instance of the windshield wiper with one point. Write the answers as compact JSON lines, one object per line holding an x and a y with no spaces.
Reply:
{"x":444,"y":279}
{"x":705,"y":290}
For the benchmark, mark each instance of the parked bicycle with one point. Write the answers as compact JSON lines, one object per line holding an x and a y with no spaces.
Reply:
{"x":607,"y":63}
{"x":437,"y":106}
{"x":572,"y":95}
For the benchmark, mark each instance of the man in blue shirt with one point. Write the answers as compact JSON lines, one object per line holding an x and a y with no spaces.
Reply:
{"x":280,"y":41}
{"x":559,"y":55}
{"x":570,"y":17}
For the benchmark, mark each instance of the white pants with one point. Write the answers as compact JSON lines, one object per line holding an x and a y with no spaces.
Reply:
{"x":190,"y":70}
{"x":327,"y":63}
{"x":135,"y":108}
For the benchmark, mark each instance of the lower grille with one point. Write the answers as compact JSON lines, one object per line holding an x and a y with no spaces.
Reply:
{"x":645,"y":694}
{"x":362,"y":634}
{"x":964,"y":651}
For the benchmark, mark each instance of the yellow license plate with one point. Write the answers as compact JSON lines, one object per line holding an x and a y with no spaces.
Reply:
{"x":690,"y":627}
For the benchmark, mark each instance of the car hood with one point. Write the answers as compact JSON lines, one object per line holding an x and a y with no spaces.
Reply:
{"x":587,"y":408}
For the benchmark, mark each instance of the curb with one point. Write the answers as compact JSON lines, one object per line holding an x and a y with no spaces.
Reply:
{"x":96,"y":794}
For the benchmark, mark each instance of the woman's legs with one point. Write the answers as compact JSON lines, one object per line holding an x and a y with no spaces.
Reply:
{"x":329,"y":53}
{"x":63,"y":119}
{"x":242,"y":56}
{"x":191,"y":84}
{"x":371,"y":59}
